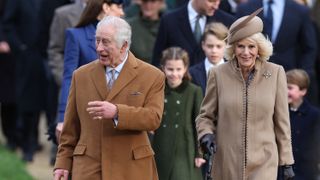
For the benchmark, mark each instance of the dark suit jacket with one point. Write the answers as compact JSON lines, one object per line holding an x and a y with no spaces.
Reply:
{"x":175,"y":30}
{"x":295,"y":46}
{"x":7,"y":63}
{"x":80,"y":45}
{"x":226,"y":7}
{"x":199,"y":76}
{"x":21,"y":25}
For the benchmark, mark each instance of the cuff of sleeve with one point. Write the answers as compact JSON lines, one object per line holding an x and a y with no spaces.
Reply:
{"x":63,"y":163}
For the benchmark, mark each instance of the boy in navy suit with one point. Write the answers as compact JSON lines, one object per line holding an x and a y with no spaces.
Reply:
{"x":305,"y":126}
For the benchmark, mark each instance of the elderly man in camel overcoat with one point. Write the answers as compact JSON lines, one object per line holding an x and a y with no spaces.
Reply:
{"x":112,"y":103}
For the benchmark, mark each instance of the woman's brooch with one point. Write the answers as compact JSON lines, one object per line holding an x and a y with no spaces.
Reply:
{"x":267,"y":74}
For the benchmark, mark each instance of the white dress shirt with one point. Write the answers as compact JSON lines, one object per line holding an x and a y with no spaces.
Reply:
{"x":208,"y":65}
{"x":192,"y":14}
{"x":277,"y":10}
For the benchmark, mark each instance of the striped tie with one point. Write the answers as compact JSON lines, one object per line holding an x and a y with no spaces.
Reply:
{"x":112,"y":78}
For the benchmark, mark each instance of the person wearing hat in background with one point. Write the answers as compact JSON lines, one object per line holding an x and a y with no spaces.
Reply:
{"x":244,"y":114}
{"x":80,"y":45}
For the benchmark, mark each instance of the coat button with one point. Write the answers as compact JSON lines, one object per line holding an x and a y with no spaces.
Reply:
{"x":178,"y":102}
{"x":164,"y":125}
{"x":176,"y":125}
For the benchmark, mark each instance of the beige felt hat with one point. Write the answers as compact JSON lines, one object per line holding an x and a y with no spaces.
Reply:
{"x":245,"y":27}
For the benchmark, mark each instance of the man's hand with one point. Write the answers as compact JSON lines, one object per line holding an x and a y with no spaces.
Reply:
{"x":61,"y":173}
{"x":288,"y":173}
{"x":102,"y":110}
{"x":4,"y":47}
{"x":58,"y":131}
{"x":207,"y":143}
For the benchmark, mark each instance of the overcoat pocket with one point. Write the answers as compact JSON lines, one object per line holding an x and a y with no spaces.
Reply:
{"x":142,"y":152}
{"x":80,"y":150}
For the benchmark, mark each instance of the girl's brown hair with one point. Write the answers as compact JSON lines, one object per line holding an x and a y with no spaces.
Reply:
{"x":176,"y":53}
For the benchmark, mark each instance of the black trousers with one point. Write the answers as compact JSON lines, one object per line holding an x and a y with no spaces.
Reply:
{"x":9,"y":123}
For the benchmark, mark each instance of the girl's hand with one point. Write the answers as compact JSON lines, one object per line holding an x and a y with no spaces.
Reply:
{"x":199,"y":161}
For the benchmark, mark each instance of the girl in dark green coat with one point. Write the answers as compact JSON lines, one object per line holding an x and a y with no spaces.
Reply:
{"x":175,"y":142}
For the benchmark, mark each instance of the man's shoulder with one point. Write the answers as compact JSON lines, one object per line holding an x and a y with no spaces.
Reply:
{"x":173,"y":14}
{"x":87,"y":67}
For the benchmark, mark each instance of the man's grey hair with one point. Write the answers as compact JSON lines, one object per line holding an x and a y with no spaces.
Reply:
{"x":122,"y":28}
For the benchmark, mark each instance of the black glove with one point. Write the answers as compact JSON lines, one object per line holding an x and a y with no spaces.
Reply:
{"x":207,"y":143}
{"x":52,"y":133}
{"x":288,"y":173}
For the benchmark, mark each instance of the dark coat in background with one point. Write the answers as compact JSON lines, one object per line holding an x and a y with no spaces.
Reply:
{"x":199,"y":76}
{"x":7,"y":68}
{"x":20,"y":21}
{"x":175,"y":141}
{"x":305,"y":129}
{"x":80,"y":45}
{"x":175,"y":30}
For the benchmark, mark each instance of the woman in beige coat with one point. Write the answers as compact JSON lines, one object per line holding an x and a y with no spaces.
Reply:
{"x":245,"y":111}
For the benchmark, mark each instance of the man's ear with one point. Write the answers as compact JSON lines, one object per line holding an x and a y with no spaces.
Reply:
{"x":124,"y":47}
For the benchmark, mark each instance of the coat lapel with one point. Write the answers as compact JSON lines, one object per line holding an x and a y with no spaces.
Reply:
{"x":127,"y":74}
{"x":98,"y":76}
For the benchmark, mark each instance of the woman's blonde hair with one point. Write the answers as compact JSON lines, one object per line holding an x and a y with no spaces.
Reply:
{"x":265,"y":48}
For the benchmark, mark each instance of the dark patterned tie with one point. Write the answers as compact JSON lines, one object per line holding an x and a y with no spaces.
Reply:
{"x":268,"y":23}
{"x":197,"y":29}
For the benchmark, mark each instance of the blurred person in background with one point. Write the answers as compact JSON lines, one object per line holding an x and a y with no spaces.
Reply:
{"x":145,"y":27}
{"x":21,"y":25}
{"x":65,"y":17}
{"x":8,"y":109}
